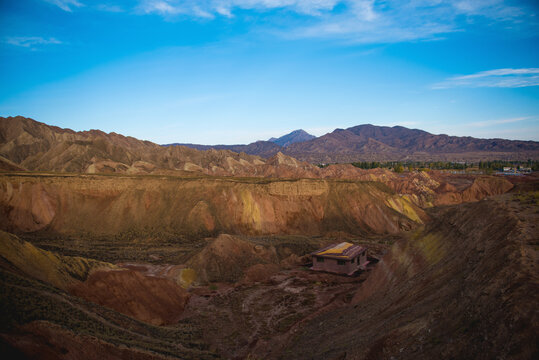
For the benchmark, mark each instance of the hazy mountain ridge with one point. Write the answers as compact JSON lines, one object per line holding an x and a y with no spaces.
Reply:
{"x":263,"y":148}
{"x":295,"y":136}
{"x":384,"y":143}
{"x":379,"y":143}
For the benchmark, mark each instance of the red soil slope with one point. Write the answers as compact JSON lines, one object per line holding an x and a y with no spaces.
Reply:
{"x":157,"y":301}
{"x":46,"y":341}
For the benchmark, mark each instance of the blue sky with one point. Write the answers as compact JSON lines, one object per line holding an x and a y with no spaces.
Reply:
{"x":236,"y":71}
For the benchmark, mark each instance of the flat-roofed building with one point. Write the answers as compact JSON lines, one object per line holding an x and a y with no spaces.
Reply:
{"x":344,"y":258}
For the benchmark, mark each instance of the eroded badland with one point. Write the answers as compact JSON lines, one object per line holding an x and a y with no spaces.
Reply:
{"x":190,"y":254}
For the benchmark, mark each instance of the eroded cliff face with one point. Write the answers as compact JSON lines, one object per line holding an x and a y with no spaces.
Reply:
{"x":110,"y":205}
{"x":481,"y":187}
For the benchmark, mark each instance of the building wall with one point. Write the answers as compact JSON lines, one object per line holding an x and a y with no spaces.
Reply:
{"x":363,"y":258}
{"x":332,"y":265}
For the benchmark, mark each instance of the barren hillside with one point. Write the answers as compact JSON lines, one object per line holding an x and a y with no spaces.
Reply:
{"x":465,"y":286}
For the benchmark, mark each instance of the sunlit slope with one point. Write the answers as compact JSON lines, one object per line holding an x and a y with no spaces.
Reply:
{"x":113,"y":204}
{"x":57,"y":270}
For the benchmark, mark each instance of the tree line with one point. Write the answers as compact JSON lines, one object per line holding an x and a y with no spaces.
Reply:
{"x":485,"y":166}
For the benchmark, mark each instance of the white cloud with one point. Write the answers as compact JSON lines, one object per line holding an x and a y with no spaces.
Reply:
{"x":356,"y":21}
{"x":495,"y":9}
{"x":109,"y":8}
{"x":30,"y":41}
{"x":501,"y":78}
{"x":367,"y":21}
{"x":386,"y":30}
{"x":65,"y":5}
{"x":161,"y":7}
{"x":211,"y":8}
{"x":311,"y":7}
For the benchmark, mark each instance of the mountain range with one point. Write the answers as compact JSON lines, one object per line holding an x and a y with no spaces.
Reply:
{"x":26,"y":144}
{"x":383,"y":143}
{"x":261,"y":148}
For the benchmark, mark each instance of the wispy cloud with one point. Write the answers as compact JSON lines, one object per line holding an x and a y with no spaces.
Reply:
{"x":500,"y":122}
{"x":369,"y":21}
{"x":495,"y":9}
{"x":358,"y":21}
{"x":30,"y":42}
{"x":501,"y":78}
{"x":161,"y":7}
{"x":213,"y":8}
{"x":65,"y":5}
{"x":353,"y":21}
{"x":109,"y":8}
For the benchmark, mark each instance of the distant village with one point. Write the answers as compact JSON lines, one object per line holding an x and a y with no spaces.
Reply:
{"x":498,"y":167}
{"x":507,"y":170}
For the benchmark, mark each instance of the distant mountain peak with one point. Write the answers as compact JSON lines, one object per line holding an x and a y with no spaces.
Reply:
{"x":295,"y":136}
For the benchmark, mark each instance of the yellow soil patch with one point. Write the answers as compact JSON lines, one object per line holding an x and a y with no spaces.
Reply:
{"x":57,"y":270}
{"x":187,"y":277}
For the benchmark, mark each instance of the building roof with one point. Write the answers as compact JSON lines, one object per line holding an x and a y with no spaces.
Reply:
{"x":344,"y":250}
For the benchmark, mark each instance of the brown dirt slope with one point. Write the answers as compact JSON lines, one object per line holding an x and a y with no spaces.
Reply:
{"x":43,"y":322}
{"x":464,"y":287}
{"x":154,"y":300}
{"x":92,"y":204}
{"x":47,"y":341}
{"x":227,"y":257}
{"x":481,"y":187}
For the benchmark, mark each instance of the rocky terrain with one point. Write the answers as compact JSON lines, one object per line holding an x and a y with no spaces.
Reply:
{"x":461,"y":284}
{"x":112,"y":247}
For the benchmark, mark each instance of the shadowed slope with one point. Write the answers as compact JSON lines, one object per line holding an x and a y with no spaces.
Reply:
{"x":41,"y":321}
{"x":154,"y":300}
{"x":464,"y":287}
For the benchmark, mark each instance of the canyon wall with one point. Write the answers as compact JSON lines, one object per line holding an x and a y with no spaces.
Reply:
{"x":105,"y":205}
